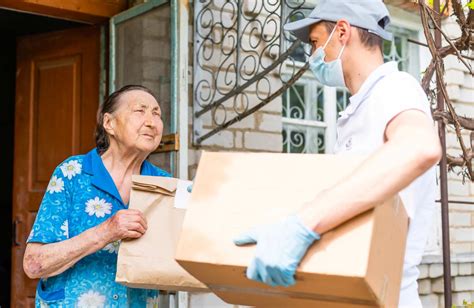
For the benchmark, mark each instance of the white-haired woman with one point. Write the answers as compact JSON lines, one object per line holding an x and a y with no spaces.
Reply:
{"x":84,"y":214}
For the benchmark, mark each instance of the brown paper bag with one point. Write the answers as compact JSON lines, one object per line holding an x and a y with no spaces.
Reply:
{"x":148,"y":262}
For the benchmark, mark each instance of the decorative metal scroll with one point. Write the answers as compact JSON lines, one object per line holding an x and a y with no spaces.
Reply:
{"x":242,"y":59}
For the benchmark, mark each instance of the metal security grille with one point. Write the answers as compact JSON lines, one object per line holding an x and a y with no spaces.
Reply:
{"x":240,"y":49}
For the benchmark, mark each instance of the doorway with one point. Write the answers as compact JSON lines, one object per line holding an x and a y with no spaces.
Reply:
{"x":13,"y":25}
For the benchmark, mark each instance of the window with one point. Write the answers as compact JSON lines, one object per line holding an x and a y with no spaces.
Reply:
{"x":303,"y":119}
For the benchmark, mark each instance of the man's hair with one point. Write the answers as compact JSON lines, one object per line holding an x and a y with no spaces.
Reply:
{"x":369,"y":40}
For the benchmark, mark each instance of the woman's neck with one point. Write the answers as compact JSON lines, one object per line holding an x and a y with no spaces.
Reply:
{"x":122,"y":162}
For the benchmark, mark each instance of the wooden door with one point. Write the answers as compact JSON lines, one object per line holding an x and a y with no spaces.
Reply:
{"x":57,"y":95}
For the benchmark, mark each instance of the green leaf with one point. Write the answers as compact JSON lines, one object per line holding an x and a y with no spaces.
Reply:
{"x":470,"y":4}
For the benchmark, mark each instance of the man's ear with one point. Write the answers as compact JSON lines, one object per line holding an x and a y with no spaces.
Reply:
{"x":344,"y":31}
{"x":109,"y":124}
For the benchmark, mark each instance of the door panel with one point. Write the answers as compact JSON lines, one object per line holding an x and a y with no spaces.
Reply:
{"x":57,"y":96}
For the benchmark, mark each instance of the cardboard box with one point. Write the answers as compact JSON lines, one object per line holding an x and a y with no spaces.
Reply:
{"x":148,"y":262}
{"x":358,"y":264}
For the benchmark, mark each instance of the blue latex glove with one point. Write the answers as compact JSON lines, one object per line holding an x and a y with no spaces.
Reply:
{"x":280,"y":248}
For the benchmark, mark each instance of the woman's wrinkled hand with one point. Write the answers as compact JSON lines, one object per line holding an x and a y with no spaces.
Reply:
{"x":125,"y":224}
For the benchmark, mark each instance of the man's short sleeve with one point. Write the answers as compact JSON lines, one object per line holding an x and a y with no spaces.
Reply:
{"x":397,"y":93}
{"x":400,"y":92}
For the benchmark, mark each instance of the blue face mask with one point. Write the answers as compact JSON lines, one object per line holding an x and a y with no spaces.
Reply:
{"x":327,"y":73}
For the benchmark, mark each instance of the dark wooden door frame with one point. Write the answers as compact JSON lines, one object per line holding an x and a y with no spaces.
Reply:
{"x":86,"y":11}
{"x":75,"y":54}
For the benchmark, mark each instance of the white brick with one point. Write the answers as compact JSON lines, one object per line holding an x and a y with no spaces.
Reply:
{"x":270,"y":122}
{"x":452,"y":62}
{"x":463,"y":283}
{"x":424,"y":270}
{"x":263,"y":141}
{"x":457,"y":188}
{"x":466,"y":110}
{"x":454,"y":92}
{"x":451,"y":29}
{"x":246,"y":123}
{"x":454,"y":77}
{"x":273,"y":106}
{"x":429,"y":301}
{"x":436,"y":270}
{"x":462,"y":234}
{"x":460,"y":297}
{"x":465,"y":269}
{"x":468,"y":81}
{"x":424,"y":286}
{"x":239,"y":139}
{"x":207,"y":119}
{"x":460,"y":219}
{"x":223,"y":139}
{"x":467,"y":95}
{"x":454,"y":269}
{"x":452,"y":141}
{"x":437,"y":285}
{"x":459,"y":248}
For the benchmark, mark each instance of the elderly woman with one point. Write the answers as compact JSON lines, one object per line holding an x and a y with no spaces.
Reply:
{"x":83,"y":216}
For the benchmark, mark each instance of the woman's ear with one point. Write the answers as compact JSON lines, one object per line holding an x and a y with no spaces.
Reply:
{"x":109,"y":124}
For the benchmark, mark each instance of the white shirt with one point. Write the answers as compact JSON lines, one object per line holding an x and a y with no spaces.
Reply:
{"x":360,"y":130}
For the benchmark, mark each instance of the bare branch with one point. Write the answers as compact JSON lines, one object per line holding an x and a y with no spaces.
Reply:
{"x":465,"y":122}
{"x":425,"y":82}
{"x":429,"y":11}
{"x":436,"y":64}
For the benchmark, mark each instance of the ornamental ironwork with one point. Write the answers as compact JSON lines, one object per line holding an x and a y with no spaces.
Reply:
{"x":243,"y":59}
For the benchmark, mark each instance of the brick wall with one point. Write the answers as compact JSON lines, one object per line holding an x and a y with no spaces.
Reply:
{"x":431,"y":282}
{"x":461,"y":89}
{"x":460,"y":85}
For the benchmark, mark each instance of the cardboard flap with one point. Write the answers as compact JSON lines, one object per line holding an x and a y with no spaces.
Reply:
{"x":155,"y":184}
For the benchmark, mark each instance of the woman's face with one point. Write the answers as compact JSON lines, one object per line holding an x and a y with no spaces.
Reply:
{"x":136,"y":124}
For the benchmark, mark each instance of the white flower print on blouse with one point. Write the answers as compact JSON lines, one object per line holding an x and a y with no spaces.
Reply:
{"x":112,"y":247}
{"x":65,"y":228}
{"x":152,"y":302}
{"x":71,"y":168}
{"x":43,"y":304}
{"x":91,"y":299}
{"x":97,"y":206}
{"x":55,"y":185}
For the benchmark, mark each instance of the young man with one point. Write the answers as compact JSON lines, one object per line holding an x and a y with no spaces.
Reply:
{"x":388,"y":117}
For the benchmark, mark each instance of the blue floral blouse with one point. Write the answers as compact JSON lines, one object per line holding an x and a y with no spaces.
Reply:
{"x":81,"y":194}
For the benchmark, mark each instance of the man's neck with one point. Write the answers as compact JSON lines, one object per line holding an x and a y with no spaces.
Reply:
{"x":359,"y":67}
